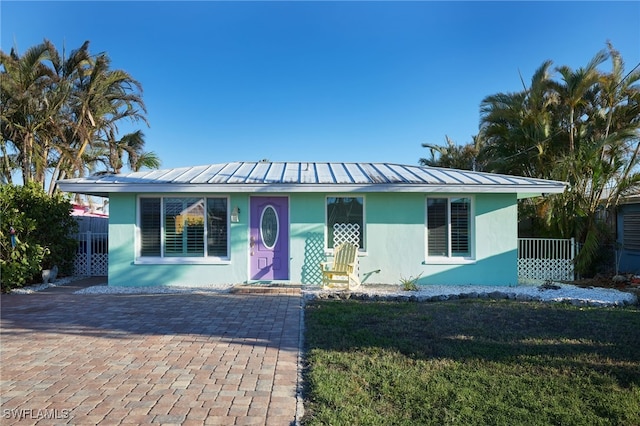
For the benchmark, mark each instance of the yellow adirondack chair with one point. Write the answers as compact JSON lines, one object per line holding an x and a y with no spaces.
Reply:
{"x":342,"y":271}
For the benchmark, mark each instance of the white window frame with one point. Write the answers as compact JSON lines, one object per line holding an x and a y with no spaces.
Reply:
{"x":361,"y":250}
{"x":449,"y":258}
{"x":182,"y":260}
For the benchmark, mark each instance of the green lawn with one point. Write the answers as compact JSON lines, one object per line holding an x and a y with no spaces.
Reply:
{"x":471,"y":362}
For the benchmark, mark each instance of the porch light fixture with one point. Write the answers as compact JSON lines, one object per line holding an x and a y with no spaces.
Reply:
{"x":235,"y":214}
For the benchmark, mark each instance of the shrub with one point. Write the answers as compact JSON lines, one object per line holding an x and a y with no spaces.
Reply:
{"x":43,"y":234}
{"x":411,"y":283}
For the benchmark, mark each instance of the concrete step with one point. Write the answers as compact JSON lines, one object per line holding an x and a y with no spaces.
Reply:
{"x":266,"y":289}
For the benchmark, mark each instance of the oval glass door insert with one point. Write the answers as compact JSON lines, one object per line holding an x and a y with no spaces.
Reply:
{"x":269,"y":227}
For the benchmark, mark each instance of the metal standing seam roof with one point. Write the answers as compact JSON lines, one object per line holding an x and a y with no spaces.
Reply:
{"x":309,"y":177}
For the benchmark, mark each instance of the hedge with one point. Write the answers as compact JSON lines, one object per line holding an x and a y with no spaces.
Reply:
{"x":43,"y":231}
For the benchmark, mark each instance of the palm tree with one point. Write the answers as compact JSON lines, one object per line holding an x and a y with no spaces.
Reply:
{"x":597,"y":184}
{"x":68,"y":70}
{"x":54,"y":109}
{"x":574,"y":90}
{"x":99,"y":100}
{"x":30,"y":104}
{"x":464,"y":157}
{"x":583,"y":129}
{"x":620,"y":100}
{"x":609,"y":165}
{"x":131,"y":145}
{"x":518,"y":129}
{"x":601,"y":162}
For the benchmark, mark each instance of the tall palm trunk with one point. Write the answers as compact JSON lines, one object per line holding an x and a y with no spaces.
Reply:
{"x":27,"y":157}
{"x":571,"y":131}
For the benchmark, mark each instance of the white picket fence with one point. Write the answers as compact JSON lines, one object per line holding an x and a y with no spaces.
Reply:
{"x":546,"y":259}
{"x":92,"y":254}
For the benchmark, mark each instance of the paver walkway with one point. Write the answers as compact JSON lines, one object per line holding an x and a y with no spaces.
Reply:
{"x":149,"y":359}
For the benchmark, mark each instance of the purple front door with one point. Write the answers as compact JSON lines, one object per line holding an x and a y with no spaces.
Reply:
{"x":269,"y":238}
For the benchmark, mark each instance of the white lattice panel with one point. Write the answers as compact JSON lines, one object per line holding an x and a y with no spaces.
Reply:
{"x":546,"y":259}
{"x":99,"y":264}
{"x":546,"y":269}
{"x":92,"y":257}
{"x":346,"y":232}
{"x":80,"y":265}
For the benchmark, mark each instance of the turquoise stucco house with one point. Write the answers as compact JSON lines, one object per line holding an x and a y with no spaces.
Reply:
{"x":245,"y":222}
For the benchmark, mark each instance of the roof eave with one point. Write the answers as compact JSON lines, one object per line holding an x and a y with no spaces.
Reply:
{"x":103,"y":189}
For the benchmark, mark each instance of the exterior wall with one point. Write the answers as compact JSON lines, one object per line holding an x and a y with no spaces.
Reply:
{"x":123,"y":271}
{"x":394,"y":243}
{"x":400,"y":250}
{"x":629,"y":259}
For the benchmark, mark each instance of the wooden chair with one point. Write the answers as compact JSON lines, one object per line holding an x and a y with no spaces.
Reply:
{"x":342,"y":271}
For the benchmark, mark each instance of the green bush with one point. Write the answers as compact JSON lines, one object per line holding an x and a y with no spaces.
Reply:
{"x":43,"y":234}
{"x":411,"y":283}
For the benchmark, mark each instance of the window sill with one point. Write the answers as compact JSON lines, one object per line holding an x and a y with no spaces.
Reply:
{"x":181,"y":261}
{"x":449,"y":261}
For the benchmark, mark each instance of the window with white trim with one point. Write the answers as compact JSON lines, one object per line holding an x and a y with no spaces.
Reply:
{"x":173,"y":227}
{"x":449,"y":227}
{"x":345,"y":210}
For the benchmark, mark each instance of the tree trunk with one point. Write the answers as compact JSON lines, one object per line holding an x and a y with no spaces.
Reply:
{"x":571,"y":126}
{"x":27,"y":155}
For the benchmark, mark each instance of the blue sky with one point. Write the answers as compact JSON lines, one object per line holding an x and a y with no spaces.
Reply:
{"x":321,"y":81}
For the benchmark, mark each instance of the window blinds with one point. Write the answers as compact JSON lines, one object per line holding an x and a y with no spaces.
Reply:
{"x":150,"y":226}
{"x":177,"y":224}
{"x":437,"y":220}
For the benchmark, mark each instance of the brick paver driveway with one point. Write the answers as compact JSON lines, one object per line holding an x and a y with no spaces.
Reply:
{"x":149,"y":359}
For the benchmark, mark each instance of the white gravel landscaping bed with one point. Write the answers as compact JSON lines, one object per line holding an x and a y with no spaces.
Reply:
{"x":592,"y":296}
{"x":558,"y":292}
{"x":39,"y":287}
